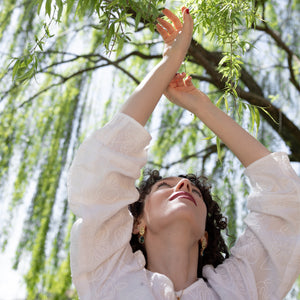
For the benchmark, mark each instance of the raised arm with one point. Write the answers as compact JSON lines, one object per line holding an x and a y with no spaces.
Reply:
{"x":183,"y":93}
{"x":177,"y":38}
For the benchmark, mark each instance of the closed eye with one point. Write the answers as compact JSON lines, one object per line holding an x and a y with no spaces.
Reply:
{"x":163,"y":184}
{"x":197,"y":192}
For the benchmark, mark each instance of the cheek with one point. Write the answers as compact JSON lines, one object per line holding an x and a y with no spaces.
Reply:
{"x":200,"y":216}
{"x":203,"y":216}
{"x":203,"y":212}
{"x":155,"y":207}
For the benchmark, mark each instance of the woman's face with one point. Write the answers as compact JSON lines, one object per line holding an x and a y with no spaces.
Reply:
{"x":175,"y":200}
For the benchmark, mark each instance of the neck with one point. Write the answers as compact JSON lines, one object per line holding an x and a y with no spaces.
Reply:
{"x":174,"y":255}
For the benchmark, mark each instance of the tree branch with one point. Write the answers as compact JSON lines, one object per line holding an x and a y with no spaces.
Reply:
{"x":286,"y":128}
{"x":87,"y":56}
{"x":281,"y":44}
{"x":64,"y":79}
{"x":202,"y":153}
{"x":276,"y":37}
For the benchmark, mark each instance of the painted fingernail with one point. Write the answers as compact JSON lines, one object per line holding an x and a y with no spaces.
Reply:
{"x":187,"y":11}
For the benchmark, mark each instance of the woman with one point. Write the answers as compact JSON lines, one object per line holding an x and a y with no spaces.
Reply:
{"x":171,"y":223}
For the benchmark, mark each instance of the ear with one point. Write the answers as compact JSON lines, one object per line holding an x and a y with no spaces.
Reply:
{"x":137,"y":225}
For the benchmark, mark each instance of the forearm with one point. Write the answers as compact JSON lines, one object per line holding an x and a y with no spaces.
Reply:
{"x":177,"y":38}
{"x":142,"y":102}
{"x":240,"y":142}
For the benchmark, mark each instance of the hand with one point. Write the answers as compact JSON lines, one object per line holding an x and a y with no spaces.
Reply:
{"x":177,"y":37}
{"x":182,"y":92}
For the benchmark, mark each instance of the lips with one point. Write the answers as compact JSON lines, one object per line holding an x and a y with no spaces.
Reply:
{"x":183,"y":195}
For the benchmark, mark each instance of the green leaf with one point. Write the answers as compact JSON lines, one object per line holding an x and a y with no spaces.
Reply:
{"x":252,"y":115}
{"x":137,"y":20}
{"x":120,"y":46}
{"x":224,"y":59}
{"x":257,"y":119}
{"x":70,"y":4}
{"x":16,"y":68}
{"x":266,"y":112}
{"x":219,"y":100}
{"x":40,"y":44}
{"x":219,"y":148}
{"x":39,"y":6}
{"x":46,"y":27}
{"x":109,"y":36}
{"x":226,"y":103}
{"x":48,"y":7}
{"x":240,"y":109}
{"x":208,"y":137}
{"x":60,"y":6}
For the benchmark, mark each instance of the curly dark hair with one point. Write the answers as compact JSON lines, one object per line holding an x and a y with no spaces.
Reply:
{"x":216,"y":251}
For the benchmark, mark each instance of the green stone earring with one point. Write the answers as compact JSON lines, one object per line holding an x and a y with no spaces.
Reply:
{"x":141,"y":237}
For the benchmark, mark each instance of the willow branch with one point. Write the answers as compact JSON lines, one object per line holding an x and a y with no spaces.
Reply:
{"x":202,"y":153}
{"x":87,"y":56}
{"x":288,"y":131}
{"x":281,"y":44}
{"x":276,"y":37}
{"x":65,"y":79}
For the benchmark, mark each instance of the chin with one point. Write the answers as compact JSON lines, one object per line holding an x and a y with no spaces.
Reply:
{"x":185,"y":213}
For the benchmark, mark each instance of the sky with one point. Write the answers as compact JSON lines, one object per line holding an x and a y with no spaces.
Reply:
{"x":12,"y":286}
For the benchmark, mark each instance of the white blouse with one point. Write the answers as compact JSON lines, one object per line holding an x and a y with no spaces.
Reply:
{"x":265,"y":261}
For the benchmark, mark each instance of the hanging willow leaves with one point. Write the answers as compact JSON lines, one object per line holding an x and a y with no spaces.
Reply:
{"x":55,"y":89}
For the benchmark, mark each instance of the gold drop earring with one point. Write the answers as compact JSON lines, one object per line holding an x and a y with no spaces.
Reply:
{"x":141,"y":237}
{"x":203,"y":245}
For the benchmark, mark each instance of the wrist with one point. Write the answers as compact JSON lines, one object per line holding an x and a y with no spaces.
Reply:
{"x":174,"y":56}
{"x":204,"y":105}
{"x":172,"y":60}
{"x":171,"y":66}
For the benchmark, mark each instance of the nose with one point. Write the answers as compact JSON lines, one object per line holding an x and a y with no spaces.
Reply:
{"x":183,"y":185}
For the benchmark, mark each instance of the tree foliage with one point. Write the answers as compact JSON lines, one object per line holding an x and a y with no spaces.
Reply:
{"x":244,"y":54}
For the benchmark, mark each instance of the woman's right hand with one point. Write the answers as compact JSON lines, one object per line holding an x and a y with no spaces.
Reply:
{"x":177,"y":36}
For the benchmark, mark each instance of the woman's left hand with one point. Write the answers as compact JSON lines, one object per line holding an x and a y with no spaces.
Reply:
{"x":182,"y":92}
{"x":177,"y":36}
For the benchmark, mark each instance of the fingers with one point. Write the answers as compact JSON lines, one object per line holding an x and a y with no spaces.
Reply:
{"x":188,"y":81}
{"x":187,"y":19}
{"x":168,"y":31}
{"x":176,"y":21}
{"x":180,"y":81}
{"x":162,"y":32}
{"x":183,"y":8}
{"x":166,"y":25}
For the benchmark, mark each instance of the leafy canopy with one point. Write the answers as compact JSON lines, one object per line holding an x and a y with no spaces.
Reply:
{"x":55,"y":89}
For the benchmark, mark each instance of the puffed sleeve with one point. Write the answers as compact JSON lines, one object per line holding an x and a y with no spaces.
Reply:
{"x":101,"y":184}
{"x":265,"y":261}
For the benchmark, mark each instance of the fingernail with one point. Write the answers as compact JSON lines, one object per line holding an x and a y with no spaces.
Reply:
{"x":187,"y":11}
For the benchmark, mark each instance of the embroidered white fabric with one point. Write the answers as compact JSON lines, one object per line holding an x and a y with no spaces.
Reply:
{"x":264,"y":263}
